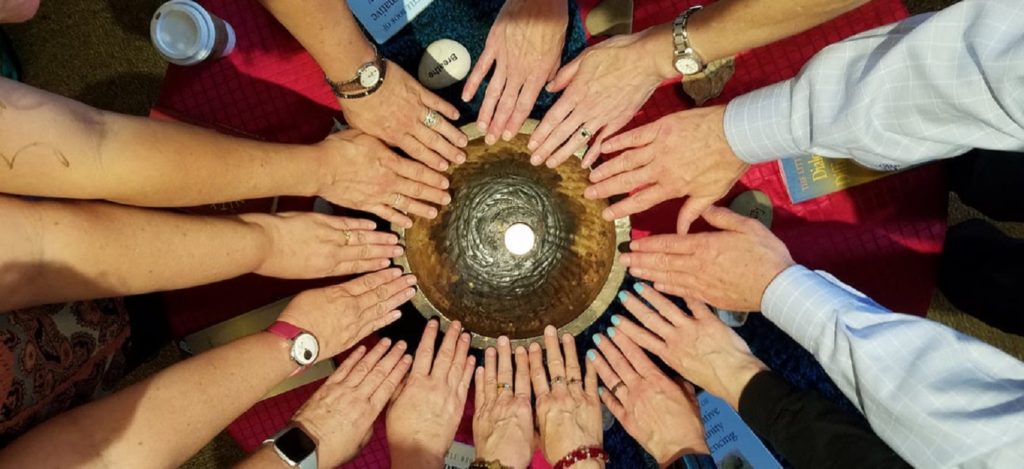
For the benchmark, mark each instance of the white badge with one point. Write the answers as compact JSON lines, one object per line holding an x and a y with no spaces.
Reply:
{"x":384,"y":18}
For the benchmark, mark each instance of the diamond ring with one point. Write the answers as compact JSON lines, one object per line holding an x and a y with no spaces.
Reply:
{"x":430,"y":120}
{"x":585,"y":133}
{"x":504,"y":387}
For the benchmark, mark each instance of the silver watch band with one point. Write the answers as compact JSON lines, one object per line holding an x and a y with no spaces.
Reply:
{"x":680,"y":38}
{"x":353,"y":88}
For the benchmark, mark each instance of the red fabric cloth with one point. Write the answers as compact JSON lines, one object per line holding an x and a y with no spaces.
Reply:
{"x":882,"y":237}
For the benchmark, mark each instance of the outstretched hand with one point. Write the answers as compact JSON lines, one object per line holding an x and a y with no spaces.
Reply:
{"x":503,"y":421}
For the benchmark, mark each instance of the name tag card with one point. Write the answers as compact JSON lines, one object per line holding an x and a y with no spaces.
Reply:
{"x":384,"y":18}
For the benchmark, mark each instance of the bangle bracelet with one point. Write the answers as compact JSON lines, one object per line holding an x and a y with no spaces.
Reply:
{"x":482,"y":464}
{"x":582,"y":453}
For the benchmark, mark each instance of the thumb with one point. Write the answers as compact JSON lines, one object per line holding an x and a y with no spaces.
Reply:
{"x":725,"y":219}
{"x":564,"y":76}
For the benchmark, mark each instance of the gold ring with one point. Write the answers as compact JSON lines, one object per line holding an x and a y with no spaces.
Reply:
{"x":573,"y":381}
{"x":504,"y":387}
{"x":396,"y":200}
{"x":616,"y":388}
{"x":347,"y":235}
{"x":557,"y":380}
{"x":585,"y":133}
{"x":430,"y":120}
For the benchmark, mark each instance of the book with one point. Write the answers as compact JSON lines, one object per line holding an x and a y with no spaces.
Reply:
{"x":811,"y":176}
{"x":384,"y":18}
{"x":732,"y":443}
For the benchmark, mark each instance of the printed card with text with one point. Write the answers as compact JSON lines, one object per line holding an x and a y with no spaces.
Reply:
{"x":384,"y":18}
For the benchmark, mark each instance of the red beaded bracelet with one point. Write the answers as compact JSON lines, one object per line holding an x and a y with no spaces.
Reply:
{"x":582,"y":453}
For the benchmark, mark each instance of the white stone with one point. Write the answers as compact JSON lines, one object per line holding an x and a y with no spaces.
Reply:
{"x":445,"y":62}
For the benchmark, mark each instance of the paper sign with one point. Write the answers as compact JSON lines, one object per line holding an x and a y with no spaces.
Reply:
{"x":384,"y":18}
{"x":732,"y":443}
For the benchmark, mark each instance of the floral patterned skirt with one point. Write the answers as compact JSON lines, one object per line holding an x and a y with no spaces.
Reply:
{"x":55,"y":357}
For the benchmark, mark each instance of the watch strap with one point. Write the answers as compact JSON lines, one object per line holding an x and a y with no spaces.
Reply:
{"x":681,"y":39}
{"x":285,"y":330}
{"x":309,"y":462}
{"x":354,"y":88}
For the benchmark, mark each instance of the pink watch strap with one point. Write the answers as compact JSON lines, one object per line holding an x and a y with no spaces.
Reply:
{"x":286,"y":330}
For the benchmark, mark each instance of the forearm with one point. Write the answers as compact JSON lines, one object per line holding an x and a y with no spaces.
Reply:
{"x":809,"y":430}
{"x":163,"y":420}
{"x":62,"y":251}
{"x":266,"y":458}
{"x":908,"y":375}
{"x":328,"y":31}
{"x":929,"y":87}
{"x":55,"y":147}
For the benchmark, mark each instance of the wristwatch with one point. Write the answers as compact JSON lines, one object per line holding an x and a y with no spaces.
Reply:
{"x":294,"y":447}
{"x":305,"y":347}
{"x":368,"y":79}
{"x":686,"y":60}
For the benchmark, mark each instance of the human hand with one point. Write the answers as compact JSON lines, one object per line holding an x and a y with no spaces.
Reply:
{"x":525,"y":48}
{"x":503,"y":421}
{"x":341,"y":315}
{"x":395,"y":114}
{"x":362,"y":174}
{"x":729,"y":269}
{"x":604,"y":88}
{"x":699,"y":347}
{"x":340,"y":415}
{"x":681,"y":154}
{"x":662,"y":416}
{"x":311,"y":245}
{"x":568,"y":411}
{"x":427,"y":409}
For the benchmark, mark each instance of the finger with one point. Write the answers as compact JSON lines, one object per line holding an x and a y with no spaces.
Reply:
{"x":690,"y":211}
{"x":633,"y":353}
{"x":446,"y":353}
{"x":478,"y":383}
{"x":506,"y":104}
{"x":725,"y":219}
{"x":625,"y":181}
{"x":527,"y":98}
{"x":560,"y":136}
{"x":552,"y":119}
{"x":575,"y":143}
{"x":417,"y":208}
{"x":435,"y":102}
{"x":685,"y":280}
{"x":590,"y":380}
{"x":346,"y":366}
{"x":641,"y":336}
{"x":418,"y":172}
{"x":357,"y":237}
{"x":459,"y":360}
{"x":365,"y":283}
{"x":352,"y":224}
{"x":491,"y":373}
{"x":616,"y":358}
{"x":420,"y":152}
{"x":522,"y":386}
{"x":359,"y":266}
{"x":389,"y":386}
{"x":647,"y":316}
{"x":491,"y":95}
{"x":369,"y":251}
{"x":663,"y":262}
{"x":425,"y":350}
{"x":454,"y":135}
{"x":466,"y":379}
{"x":608,"y":375}
{"x":637,"y":202}
{"x":572,"y":360}
{"x":699,"y":309}
{"x":379,"y":296}
{"x":382,"y":369}
{"x":414,"y":191}
{"x":664,"y":306}
{"x":626,"y":161}
{"x":679,"y":291}
{"x":638,"y":137}
{"x":363,"y":366}
{"x":537,"y":375}
{"x":556,"y":364}
{"x":483,"y":65}
{"x":437,"y":143}
{"x":565,"y":75}
{"x":504,"y":361}
{"x":670,"y":243}
{"x":391,"y":215}
{"x":613,"y":404}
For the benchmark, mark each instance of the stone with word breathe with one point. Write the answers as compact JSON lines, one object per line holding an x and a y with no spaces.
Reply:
{"x":445,"y":62}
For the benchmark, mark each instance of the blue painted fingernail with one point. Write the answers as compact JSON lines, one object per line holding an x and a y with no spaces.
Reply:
{"x":611,"y":332}
{"x":600,"y":390}
{"x":597,"y":339}
{"x":639,"y":287}
{"x":591,"y":355}
{"x":622,"y":296}
{"x":616,"y":320}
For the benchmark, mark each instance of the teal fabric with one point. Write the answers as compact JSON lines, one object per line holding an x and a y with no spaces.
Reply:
{"x":9,"y":67}
{"x":468,"y":22}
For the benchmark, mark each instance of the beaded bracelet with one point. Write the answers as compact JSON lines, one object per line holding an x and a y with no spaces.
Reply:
{"x":582,"y":453}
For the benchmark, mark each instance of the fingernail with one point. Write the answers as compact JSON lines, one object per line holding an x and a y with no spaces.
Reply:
{"x":535,"y":160}
{"x":386,"y":341}
{"x":401,"y":344}
{"x":607,"y":214}
{"x":457,"y":115}
{"x":634,"y":246}
{"x":447,"y":199}
{"x":407,"y":358}
{"x":520,"y":349}
{"x":396,"y":315}
{"x":637,"y":272}
{"x":410,"y":292}
{"x":639,"y":287}
{"x":408,"y":224}
{"x":532,"y":145}
{"x":506,"y":136}
{"x":591,"y":355}
{"x":589,"y":193}
{"x":611,"y":332}
{"x":482,"y":126}
{"x":502,"y":340}
{"x":444,"y":184}
{"x":550,"y":330}
{"x":410,"y":280}
{"x":616,"y":319}
{"x":552,"y":163}
{"x":490,"y":139}
{"x":395,"y":273}
{"x":462,"y":156}
{"x":432,"y":213}
{"x":622,"y":296}
{"x":443,"y":166}
{"x":600,"y":390}
{"x":396,"y":252}
{"x":624,"y":259}
{"x":383,"y":263}
{"x":596,"y":338}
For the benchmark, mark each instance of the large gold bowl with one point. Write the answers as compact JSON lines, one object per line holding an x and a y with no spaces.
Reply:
{"x":468,"y":271}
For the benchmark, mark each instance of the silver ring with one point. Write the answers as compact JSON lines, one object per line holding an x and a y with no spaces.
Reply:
{"x":504,"y":387}
{"x":348,"y":236}
{"x":557,"y":380}
{"x":396,"y":200}
{"x":430,"y":120}
{"x":585,"y":133}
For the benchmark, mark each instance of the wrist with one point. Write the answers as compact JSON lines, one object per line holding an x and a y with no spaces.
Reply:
{"x":739,"y":375}
{"x":656,"y":47}
{"x":694,"y":447}
{"x":259,"y":230}
{"x":343,"y":67}
{"x":416,"y":459}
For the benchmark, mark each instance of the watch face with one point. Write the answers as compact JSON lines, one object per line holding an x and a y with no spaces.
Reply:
{"x":369,"y":76}
{"x":295,"y":445}
{"x":687,"y":65}
{"x":305,"y":349}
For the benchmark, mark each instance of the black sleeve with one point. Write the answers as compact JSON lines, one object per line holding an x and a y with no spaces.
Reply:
{"x":810,"y":431}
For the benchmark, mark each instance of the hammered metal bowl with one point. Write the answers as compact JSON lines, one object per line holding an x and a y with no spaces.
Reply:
{"x":467,"y":270}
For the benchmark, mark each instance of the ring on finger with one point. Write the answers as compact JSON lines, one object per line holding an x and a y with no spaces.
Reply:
{"x":615,"y":388}
{"x":585,"y":133}
{"x":347,"y":235}
{"x":558,"y":380}
{"x":431,"y":118}
{"x":504,"y":387}
{"x":573,"y":381}
{"x":397,"y":199}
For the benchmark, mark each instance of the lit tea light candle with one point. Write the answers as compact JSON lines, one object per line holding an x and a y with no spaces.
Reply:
{"x":519,"y":239}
